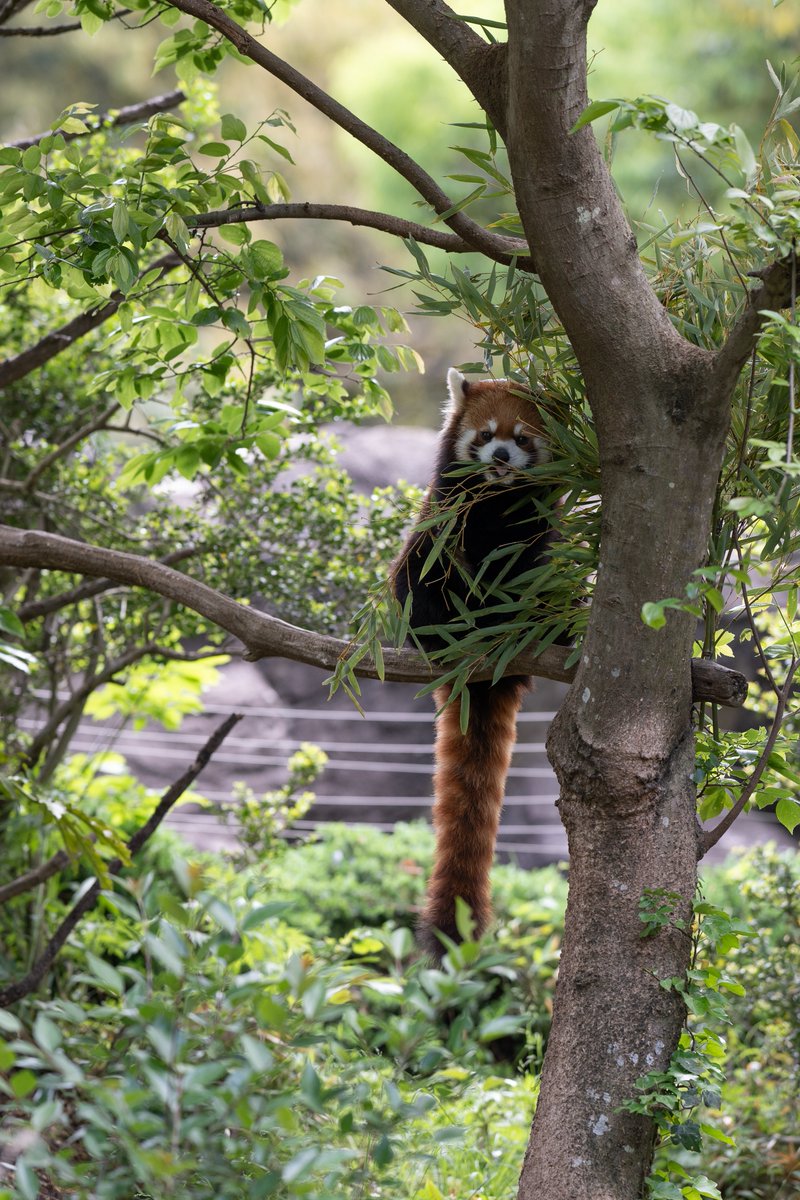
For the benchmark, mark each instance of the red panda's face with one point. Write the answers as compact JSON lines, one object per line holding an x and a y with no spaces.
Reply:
{"x":496,"y":426}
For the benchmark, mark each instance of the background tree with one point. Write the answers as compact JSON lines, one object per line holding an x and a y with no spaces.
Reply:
{"x":696,"y":478}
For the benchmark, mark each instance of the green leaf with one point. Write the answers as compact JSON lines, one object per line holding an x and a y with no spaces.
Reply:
{"x":214,"y":149}
{"x":23,"y":1083}
{"x":91,"y":22}
{"x":31,"y":158}
{"x":10,"y":622}
{"x":262,"y":259}
{"x":108,"y":976}
{"x":653,"y":615}
{"x":119,"y":221}
{"x":788,"y":813}
{"x":681,"y":118}
{"x":714,"y":598}
{"x":27,"y":1180}
{"x":744,"y":150}
{"x":231,"y":127}
{"x":593,"y":111}
{"x":46,"y":1034}
{"x":257,"y":1054}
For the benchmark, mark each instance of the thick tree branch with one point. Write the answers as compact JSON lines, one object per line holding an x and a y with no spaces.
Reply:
{"x":267,"y":637}
{"x":13,"y":369}
{"x":481,"y":66}
{"x":427,"y":187}
{"x":773,"y":293}
{"x":128,"y":115}
{"x":24,"y":986}
{"x":711,"y":836}
{"x":87,"y":589}
{"x":364,"y":217}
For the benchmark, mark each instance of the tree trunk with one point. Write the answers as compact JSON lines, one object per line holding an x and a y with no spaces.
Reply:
{"x":622,"y":744}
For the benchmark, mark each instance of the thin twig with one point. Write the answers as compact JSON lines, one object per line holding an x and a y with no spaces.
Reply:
{"x":64,"y":448}
{"x":31,"y":879}
{"x":111,"y":119}
{"x":751,"y":620}
{"x":361,"y":217}
{"x":94,"y":681}
{"x":15,"y":991}
{"x":711,"y":836}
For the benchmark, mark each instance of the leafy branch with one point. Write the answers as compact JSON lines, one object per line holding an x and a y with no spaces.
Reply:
{"x":15,"y":991}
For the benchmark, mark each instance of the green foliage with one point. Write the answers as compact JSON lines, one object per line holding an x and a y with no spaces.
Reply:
{"x":261,"y":820}
{"x":746,"y":947}
{"x":673,"y":1098}
{"x":213,"y":1036}
{"x":763,"y":1044}
{"x":221,"y":1049}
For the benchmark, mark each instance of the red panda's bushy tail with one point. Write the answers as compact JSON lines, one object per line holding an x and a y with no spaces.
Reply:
{"x":469,"y":784}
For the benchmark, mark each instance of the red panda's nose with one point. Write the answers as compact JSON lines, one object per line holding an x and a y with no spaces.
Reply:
{"x":501,"y":454}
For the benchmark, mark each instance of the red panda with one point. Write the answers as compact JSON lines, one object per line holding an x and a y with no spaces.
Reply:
{"x":497,"y":427}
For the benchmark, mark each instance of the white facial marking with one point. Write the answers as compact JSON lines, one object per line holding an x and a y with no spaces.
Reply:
{"x":542,"y":450}
{"x":463,"y":444}
{"x":502,"y":469}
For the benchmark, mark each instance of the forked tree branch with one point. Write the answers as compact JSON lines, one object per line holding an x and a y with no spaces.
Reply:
{"x":268,"y":637}
{"x":24,"y":986}
{"x":91,"y":683}
{"x":128,"y":115}
{"x":773,"y":293}
{"x":711,"y":836}
{"x":479,"y":238}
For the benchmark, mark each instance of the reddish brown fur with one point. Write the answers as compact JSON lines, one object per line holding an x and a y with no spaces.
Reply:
{"x":470,"y":778}
{"x":489,"y":399}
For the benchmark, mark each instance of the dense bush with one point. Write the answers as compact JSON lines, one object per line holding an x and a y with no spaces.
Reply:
{"x":224,"y":1051}
{"x":266,"y":1029}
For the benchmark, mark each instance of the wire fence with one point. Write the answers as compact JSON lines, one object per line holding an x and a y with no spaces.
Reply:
{"x":259,"y":760}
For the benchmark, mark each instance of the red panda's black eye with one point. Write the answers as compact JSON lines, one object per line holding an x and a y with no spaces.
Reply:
{"x":522,"y":441}
{"x":486,"y":435}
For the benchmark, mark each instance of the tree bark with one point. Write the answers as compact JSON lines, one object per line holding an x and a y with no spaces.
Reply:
{"x":621,"y":745}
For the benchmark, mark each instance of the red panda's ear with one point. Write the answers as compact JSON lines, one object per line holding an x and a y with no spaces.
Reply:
{"x":457,"y":387}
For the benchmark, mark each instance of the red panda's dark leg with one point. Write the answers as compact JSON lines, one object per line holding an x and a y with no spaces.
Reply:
{"x":469,"y":785}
